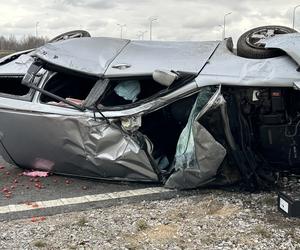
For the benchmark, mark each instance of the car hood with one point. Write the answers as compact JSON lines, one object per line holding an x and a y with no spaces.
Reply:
{"x":100,"y":56}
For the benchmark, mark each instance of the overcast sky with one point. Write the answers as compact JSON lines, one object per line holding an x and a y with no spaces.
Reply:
{"x":177,"y":19}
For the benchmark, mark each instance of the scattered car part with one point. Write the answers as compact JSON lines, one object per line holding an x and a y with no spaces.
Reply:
{"x":36,"y":174}
{"x":289,"y":203}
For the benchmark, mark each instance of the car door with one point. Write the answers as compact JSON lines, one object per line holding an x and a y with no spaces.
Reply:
{"x":52,"y":135}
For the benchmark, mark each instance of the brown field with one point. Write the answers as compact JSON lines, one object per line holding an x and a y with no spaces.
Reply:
{"x":5,"y":52}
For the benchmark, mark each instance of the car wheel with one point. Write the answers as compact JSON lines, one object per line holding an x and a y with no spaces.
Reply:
{"x":70,"y":35}
{"x":252,"y":43}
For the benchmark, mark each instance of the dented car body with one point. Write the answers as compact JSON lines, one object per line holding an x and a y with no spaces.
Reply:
{"x":184,"y":114}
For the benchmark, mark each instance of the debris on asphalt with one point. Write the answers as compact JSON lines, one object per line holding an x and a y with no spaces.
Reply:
{"x":36,"y":174}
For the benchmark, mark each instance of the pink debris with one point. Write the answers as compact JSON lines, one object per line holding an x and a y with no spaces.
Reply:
{"x":36,"y":174}
{"x":38,"y":219}
{"x":73,"y":100}
{"x":43,"y":218}
{"x":33,"y":219}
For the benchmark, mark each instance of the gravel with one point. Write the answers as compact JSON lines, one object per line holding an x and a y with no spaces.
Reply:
{"x":207,"y":219}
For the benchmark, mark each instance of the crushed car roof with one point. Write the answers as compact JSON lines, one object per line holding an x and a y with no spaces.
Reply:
{"x":99,"y":56}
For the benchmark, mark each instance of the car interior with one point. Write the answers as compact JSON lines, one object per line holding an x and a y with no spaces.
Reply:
{"x":163,"y":127}
{"x":11,"y":85}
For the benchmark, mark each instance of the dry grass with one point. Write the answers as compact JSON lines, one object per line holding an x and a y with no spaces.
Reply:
{"x":5,"y":53}
{"x":82,"y":222}
{"x":264,"y":232}
{"x":39,"y":244}
{"x":158,"y":234}
{"x":141,"y":225}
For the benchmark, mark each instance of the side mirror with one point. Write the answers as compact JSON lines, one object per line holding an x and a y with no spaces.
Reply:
{"x":164,"y":77}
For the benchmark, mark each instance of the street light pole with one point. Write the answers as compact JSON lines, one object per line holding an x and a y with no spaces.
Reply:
{"x":121,"y":29}
{"x":224,"y":25}
{"x":151,"y":20}
{"x":222,"y":29}
{"x":294,"y":15}
{"x":142,"y":33}
{"x":36,"y":29}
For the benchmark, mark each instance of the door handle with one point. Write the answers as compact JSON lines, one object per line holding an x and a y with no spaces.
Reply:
{"x":121,"y":66}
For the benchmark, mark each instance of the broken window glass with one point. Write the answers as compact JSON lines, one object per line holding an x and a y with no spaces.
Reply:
{"x":71,"y":88}
{"x":11,"y":85}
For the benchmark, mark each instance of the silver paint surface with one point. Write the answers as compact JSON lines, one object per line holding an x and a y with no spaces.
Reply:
{"x":67,"y":141}
{"x":89,"y":56}
{"x":144,"y":57}
{"x":18,"y":66}
{"x":74,"y":145}
{"x":226,"y":68}
{"x":289,"y":43}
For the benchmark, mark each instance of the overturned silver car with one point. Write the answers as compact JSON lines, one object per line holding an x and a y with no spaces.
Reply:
{"x":184,"y":114}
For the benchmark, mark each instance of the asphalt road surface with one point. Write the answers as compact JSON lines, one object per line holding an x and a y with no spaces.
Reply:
{"x":23,"y":196}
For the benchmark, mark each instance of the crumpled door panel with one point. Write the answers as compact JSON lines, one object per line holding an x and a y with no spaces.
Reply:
{"x":74,"y":145}
{"x":198,"y":155}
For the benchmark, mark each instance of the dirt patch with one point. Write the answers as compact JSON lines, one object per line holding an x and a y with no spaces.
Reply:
{"x":158,"y":234}
{"x":216,"y":208}
{"x":227,"y":210}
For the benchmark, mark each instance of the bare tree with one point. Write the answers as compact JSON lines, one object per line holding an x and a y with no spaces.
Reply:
{"x":26,"y":42}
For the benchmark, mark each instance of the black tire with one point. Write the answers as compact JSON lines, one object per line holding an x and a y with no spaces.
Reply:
{"x":250,"y":46}
{"x":70,"y":35}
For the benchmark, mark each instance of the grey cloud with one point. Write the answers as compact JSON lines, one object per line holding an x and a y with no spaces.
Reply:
{"x":178,"y":19}
{"x":97,"y":24}
{"x":193,"y":23}
{"x":100,"y":4}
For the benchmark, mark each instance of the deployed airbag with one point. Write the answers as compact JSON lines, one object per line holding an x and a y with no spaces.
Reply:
{"x":129,"y":90}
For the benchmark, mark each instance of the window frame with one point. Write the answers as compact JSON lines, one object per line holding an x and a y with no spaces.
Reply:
{"x":162,"y":93}
{"x":48,"y":75}
{"x":186,"y":83}
{"x":27,"y":97}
